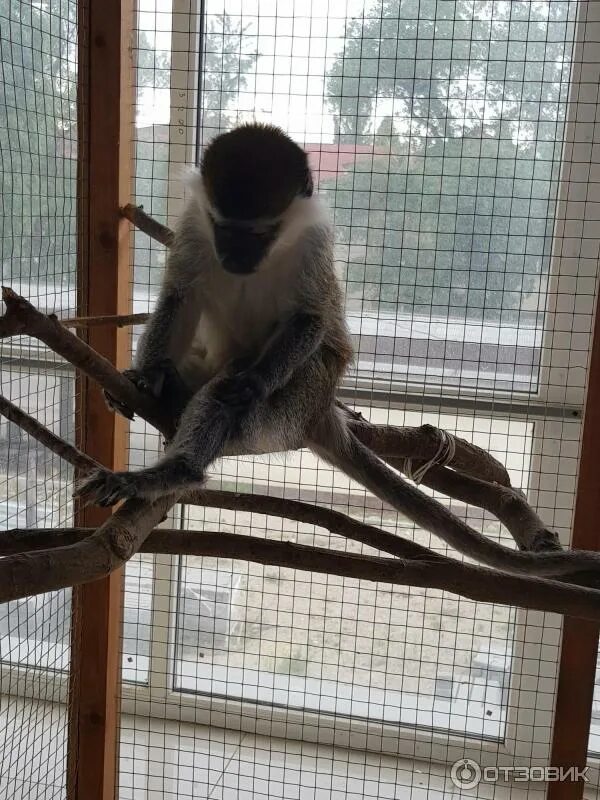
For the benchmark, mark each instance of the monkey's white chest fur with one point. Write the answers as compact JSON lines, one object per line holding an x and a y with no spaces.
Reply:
{"x":239,"y":314}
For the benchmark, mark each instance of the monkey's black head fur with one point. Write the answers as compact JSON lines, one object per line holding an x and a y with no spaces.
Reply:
{"x":255,"y":171}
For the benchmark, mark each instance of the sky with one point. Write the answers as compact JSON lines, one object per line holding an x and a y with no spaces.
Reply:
{"x":316,"y":29}
{"x":297,"y":41}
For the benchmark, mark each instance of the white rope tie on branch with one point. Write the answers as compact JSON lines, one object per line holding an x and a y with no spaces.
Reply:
{"x":442,"y":457}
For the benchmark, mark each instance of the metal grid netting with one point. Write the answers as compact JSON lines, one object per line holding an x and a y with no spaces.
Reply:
{"x":435,"y":131}
{"x":38,"y":170}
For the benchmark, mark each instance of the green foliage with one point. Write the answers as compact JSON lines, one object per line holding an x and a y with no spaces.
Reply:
{"x":38,"y":131}
{"x":225,"y":64}
{"x":38,"y":139}
{"x":462,"y":104}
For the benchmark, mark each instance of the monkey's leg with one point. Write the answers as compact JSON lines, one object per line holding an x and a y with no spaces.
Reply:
{"x":333,"y":441}
{"x":200,"y":438}
{"x":210,"y":429}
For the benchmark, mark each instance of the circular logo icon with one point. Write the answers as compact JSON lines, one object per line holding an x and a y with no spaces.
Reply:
{"x":465,"y":773}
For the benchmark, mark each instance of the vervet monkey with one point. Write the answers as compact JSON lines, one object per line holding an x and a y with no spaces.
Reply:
{"x":248,"y":341}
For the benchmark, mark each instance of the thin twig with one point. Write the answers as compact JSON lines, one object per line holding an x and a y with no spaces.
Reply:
{"x":145,"y":223}
{"x":115,"y":320}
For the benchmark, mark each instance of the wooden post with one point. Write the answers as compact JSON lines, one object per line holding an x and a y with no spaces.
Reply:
{"x":104,"y":157}
{"x":580,"y":638}
{"x":579,"y":649}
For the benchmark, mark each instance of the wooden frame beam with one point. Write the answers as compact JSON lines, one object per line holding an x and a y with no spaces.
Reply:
{"x":579,"y":651}
{"x":105,"y":156}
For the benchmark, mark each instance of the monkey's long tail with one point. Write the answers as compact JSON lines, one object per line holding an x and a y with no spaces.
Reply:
{"x":336,"y":444}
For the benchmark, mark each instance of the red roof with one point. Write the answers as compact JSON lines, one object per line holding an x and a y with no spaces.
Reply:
{"x":329,"y":160}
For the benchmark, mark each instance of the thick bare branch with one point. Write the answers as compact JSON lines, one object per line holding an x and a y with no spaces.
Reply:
{"x":22,"y":318}
{"x":333,"y":521}
{"x":94,"y":557}
{"x":474,"y":582}
{"x":398,"y":443}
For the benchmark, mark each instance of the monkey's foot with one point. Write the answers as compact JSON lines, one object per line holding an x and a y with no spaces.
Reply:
{"x":240,"y":391}
{"x":116,"y":405}
{"x":104,"y":488}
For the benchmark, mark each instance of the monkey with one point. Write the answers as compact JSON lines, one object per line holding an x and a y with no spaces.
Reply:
{"x":248,"y":341}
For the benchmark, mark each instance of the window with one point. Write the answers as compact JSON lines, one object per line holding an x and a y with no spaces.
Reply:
{"x":435,"y":132}
{"x":38,"y":250}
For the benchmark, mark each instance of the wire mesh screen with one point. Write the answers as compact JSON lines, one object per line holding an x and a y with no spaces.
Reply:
{"x":436,"y":132}
{"x":38,"y":151}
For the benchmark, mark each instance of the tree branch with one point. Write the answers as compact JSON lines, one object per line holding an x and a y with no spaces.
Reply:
{"x":421,"y":443}
{"x":145,"y":223}
{"x":45,"y":436}
{"x":115,"y":320}
{"x":94,"y":557}
{"x":398,"y":443}
{"x":22,"y":318}
{"x":471,"y":581}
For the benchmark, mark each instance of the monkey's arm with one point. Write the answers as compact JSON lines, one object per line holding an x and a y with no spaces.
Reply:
{"x":167,"y":336}
{"x":170,"y":329}
{"x":291,"y":345}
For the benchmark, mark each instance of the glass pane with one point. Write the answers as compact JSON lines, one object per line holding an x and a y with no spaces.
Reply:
{"x":594,"y":741}
{"x":37,"y":494}
{"x":323,"y":643}
{"x":144,"y":447}
{"x":434,"y":130}
{"x":137,"y":618}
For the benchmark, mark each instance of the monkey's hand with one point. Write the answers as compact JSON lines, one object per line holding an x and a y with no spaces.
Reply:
{"x":242,"y":389}
{"x":161,"y":381}
{"x":148,"y":381}
{"x":105,"y":488}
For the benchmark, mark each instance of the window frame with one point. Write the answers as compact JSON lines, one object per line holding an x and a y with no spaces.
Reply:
{"x":543,"y":406}
{"x":559,"y":401}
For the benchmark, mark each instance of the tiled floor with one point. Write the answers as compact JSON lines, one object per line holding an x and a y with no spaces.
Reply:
{"x":180,"y":761}
{"x":162,"y":760}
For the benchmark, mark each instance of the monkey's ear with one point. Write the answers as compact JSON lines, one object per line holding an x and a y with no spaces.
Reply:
{"x":192,"y":177}
{"x":193,"y":183}
{"x":309,"y":187}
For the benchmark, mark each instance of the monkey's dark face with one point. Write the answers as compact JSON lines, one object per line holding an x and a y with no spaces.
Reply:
{"x":251,"y":176}
{"x":241,"y":248}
